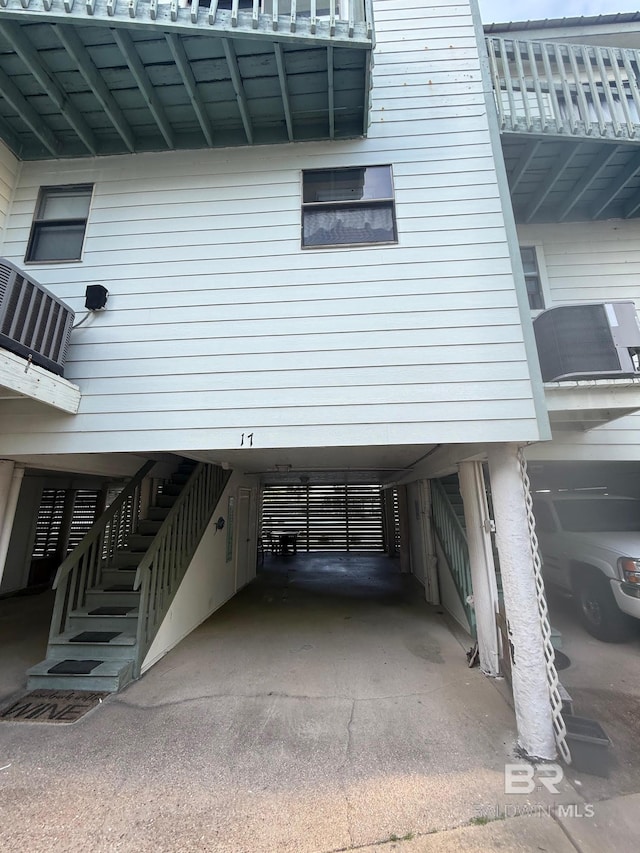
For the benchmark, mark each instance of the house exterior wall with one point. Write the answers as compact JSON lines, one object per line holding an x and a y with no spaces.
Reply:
{"x":9,"y":168}
{"x":590,"y":262}
{"x":219,"y":324}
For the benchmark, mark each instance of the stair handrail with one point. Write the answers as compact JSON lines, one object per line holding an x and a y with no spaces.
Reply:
{"x":100,"y":524}
{"x":82,"y":569}
{"x":204,"y":487}
{"x":440,"y":499}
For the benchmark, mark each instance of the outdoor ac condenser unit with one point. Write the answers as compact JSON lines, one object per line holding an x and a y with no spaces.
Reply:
{"x":589,"y":341}
{"x":33,"y":322}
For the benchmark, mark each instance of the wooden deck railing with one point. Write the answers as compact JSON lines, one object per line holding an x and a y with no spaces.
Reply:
{"x":453,"y":540}
{"x":566,"y":89}
{"x":353,"y":18}
{"x":82,"y":570}
{"x":164,"y":565}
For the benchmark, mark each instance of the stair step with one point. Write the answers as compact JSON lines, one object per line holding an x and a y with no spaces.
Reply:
{"x":69,"y":644}
{"x":165,"y":500}
{"x":125,"y":559}
{"x":119,"y":577}
{"x":158,"y":513}
{"x":180,"y":477}
{"x":137,"y":542}
{"x":108,"y":675}
{"x":119,"y":596}
{"x":83,"y":620}
{"x":148,"y":527}
{"x":171,"y":489}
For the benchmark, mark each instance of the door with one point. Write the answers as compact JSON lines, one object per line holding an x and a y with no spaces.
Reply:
{"x":245,"y":548}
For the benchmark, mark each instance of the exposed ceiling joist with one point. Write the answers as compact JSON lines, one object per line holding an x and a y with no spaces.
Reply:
{"x":238,"y":86}
{"x":551,"y":180}
{"x":624,"y":177}
{"x":31,"y":58}
{"x":331,"y":93}
{"x":72,"y":43}
{"x":16,"y":100}
{"x":284,"y":89}
{"x":189,"y":81}
{"x":523,"y":163}
{"x":130,"y":54}
{"x":591,"y":174}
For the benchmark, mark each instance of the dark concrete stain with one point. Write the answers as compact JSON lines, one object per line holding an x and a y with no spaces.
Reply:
{"x":424,"y":648}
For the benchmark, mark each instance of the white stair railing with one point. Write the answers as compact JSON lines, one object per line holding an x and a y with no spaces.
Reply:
{"x":83,"y":568}
{"x":164,"y":565}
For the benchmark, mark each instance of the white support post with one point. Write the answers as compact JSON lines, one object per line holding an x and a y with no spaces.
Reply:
{"x":483,"y":572}
{"x":431,"y":585}
{"x":8,"y":503}
{"x":528,"y":664}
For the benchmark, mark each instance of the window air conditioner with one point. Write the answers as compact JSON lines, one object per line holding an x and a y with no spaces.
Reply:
{"x":588,"y":341}
{"x":33,"y":322}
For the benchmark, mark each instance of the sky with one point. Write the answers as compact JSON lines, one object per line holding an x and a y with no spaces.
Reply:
{"x":502,"y":11}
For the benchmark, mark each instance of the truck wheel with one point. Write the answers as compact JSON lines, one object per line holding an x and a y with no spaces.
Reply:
{"x":599,"y":612}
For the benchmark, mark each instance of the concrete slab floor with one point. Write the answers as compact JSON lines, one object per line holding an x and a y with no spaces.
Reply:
{"x":325,"y":707}
{"x":602,"y":679}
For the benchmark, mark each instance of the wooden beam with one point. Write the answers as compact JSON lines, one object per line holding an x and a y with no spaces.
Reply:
{"x":530,"y":150}
{"x":596,"y":167}
{"x":14,"y":97}
{"x":9,"y":138}
{"x":189,"y":81}
{"x":238,"y":86}
{"x":72,"y":43}
{"x":331,"y":93}
{"x":550,"y":180}
{"x":33,"y":381}
{"x":136,"y":66}
{"x":284,"y":89}
{"x":31,"y":58}
{"x":624,"y":176}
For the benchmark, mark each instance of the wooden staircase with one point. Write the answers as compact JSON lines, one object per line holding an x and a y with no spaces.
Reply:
{"x":100,"y":628}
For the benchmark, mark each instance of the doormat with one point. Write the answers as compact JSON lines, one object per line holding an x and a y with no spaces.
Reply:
{"x":51,"y":706}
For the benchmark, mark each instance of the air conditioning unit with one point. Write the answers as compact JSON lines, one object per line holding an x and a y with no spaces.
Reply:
{"x":33,"y":322}
{"x":596,"y":340}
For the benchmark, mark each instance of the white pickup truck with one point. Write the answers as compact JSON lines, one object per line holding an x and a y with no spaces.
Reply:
{"x":590,"y":546}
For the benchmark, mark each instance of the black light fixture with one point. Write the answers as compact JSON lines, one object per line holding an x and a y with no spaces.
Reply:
{"x":95,"y":297}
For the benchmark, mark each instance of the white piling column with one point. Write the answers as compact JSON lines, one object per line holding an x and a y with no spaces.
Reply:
{"x":528,"y":667}
{"x":483,"y":572}
{"x":6,"y":520}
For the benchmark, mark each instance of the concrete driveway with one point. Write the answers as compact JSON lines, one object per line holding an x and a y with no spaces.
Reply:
{"x":325,"y":707}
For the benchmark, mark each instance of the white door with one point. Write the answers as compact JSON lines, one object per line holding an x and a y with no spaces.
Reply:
{"x":245,"y":550}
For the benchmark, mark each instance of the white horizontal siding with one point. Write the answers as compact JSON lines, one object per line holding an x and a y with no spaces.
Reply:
{"x":9,"y":168}
{"x":591,"y":262}
{"x":219,"y":323}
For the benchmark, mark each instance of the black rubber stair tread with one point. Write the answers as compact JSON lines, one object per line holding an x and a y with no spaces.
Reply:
{"x":95,"y":637}
{"x":119,"y":587}
{"x":74,"y":667}
{"x":109,"y":610}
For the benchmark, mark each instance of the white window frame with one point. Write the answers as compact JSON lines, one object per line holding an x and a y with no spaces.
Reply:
{"x":40,"y":222}
{"x":542,"y":275}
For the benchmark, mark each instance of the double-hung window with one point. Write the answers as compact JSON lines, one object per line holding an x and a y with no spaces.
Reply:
{"x":353,"y":206}
{"x":57,"y":231}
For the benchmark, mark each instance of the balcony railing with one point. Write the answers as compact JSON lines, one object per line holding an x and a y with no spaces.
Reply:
{"x":566,"y":89}
{"x":348,"y":18}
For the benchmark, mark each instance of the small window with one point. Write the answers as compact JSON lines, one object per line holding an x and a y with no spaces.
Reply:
{"x":57,"y":232}
{"x":344,"y":207}
{"x":532,"y":277}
